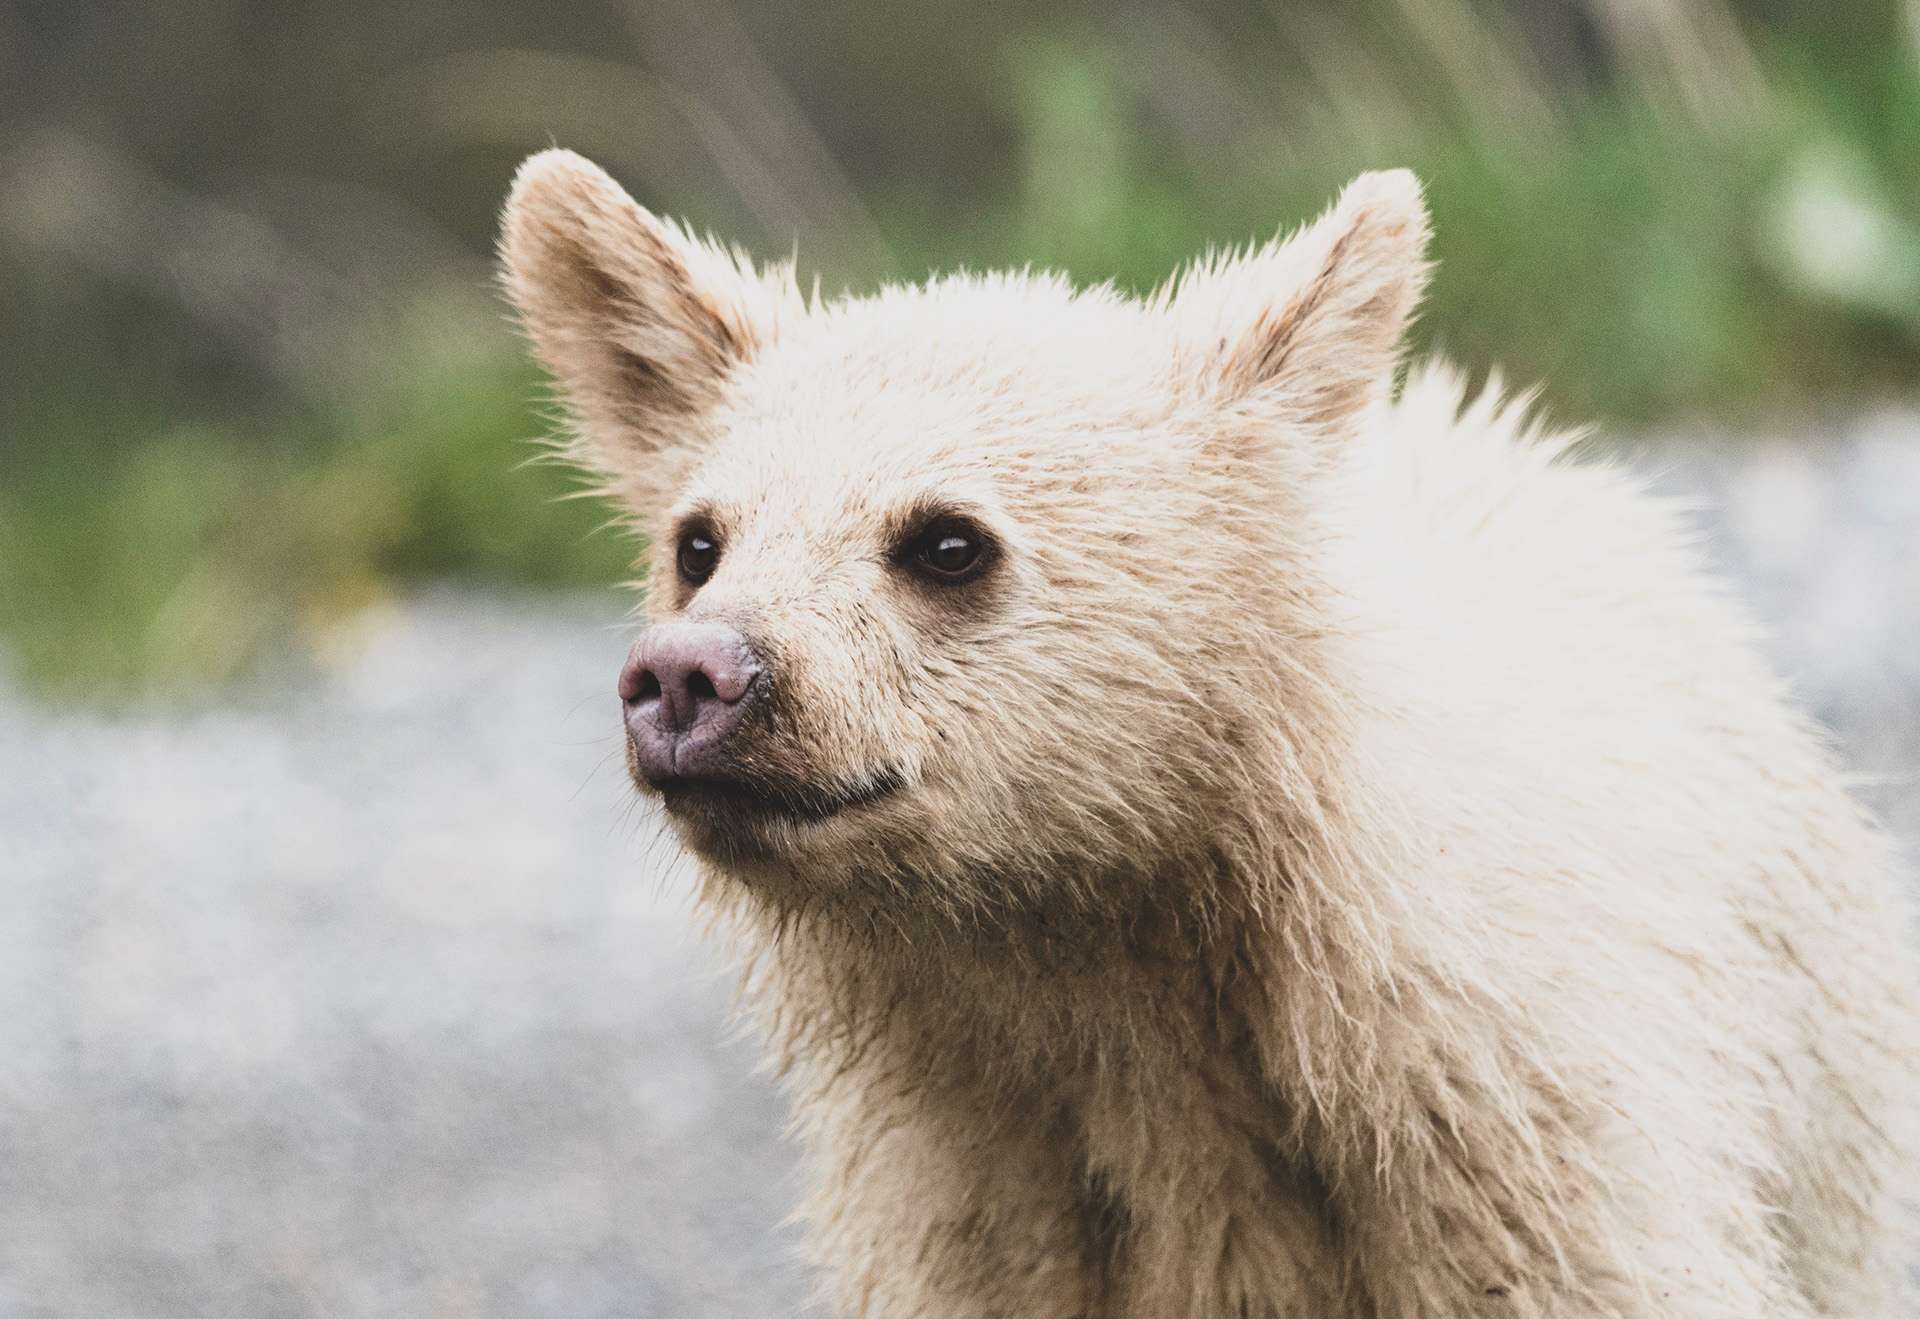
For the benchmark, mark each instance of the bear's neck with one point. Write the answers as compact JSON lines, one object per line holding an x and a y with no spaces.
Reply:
{"x":1032,"y":1006}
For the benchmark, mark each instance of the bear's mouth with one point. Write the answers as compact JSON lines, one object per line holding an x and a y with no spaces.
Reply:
{"x":719,"y":797}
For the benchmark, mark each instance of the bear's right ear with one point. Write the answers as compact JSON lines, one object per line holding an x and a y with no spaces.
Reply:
{"x":640,"y":323}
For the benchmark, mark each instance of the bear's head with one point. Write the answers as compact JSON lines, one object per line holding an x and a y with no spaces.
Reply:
{"x":988,"y":593}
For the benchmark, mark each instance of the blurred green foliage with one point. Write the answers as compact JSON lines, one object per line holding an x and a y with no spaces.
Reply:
{"x":253,"y":379}
{"x":1643,"y":265}
{"x":163,"y":566}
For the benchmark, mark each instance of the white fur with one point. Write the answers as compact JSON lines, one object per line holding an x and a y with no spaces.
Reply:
{"x":1351,"y":860}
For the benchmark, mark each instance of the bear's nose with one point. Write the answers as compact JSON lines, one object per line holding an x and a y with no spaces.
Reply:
{"x":684,"y":687}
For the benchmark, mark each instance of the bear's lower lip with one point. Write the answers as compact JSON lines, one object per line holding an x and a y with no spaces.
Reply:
{"x":806,"y":804}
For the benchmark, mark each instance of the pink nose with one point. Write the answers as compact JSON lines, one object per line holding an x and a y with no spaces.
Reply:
{"x":684,"y":686}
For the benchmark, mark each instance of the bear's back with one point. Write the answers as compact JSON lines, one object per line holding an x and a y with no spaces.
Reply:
{"x":1600,"y":789}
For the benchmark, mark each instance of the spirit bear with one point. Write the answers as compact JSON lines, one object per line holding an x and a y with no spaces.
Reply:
{"x":1210,"y":836}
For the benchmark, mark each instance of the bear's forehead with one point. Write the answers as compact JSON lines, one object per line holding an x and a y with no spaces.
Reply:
{"x":979,"y":392}
{"x":930,"y":377}
{"x":844,"y":465}
{"x":1000,"y":345}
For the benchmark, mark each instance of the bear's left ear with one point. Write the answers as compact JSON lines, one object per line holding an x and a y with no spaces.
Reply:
{"x":1311,"y":325}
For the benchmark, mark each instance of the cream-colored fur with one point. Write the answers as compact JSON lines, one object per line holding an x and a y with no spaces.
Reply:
{"x":1347,"y":859}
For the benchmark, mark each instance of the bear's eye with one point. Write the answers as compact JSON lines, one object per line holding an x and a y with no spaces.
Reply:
{"x":697,"y":556}
{"x":948,"y":551}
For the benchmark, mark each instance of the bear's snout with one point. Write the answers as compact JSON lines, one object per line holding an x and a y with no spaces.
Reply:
{"x":685,"y":687}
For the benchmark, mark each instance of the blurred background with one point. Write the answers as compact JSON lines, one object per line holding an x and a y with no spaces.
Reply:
{"x":338,"y":973}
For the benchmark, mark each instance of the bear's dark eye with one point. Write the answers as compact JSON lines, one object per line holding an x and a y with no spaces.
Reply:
{"x":948,"y":551}
{"x":697,"y":556}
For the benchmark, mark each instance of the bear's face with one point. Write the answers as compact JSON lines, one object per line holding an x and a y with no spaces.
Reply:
{"x":932,"y":533}
{"x":996,"y":565}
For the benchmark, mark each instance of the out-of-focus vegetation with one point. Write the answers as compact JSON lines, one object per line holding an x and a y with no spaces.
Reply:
{"x":253,"y":377}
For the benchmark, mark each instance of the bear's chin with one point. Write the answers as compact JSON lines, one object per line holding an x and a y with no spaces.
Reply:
{"x":741,"y":825}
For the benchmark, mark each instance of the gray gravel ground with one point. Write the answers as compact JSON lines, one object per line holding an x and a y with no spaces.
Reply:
{"x":372,"y":994}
